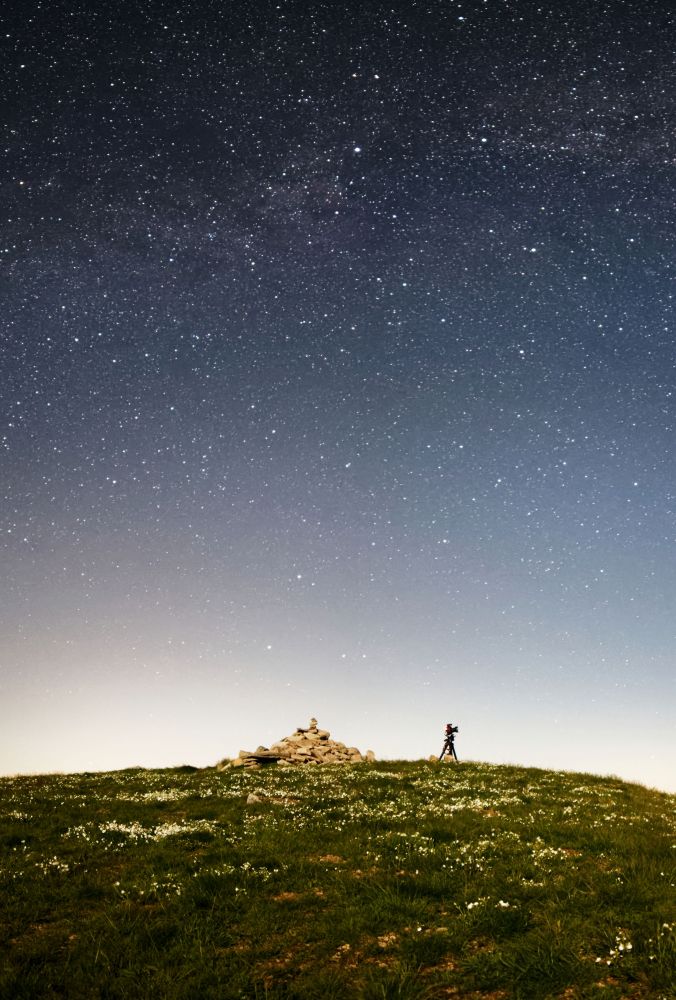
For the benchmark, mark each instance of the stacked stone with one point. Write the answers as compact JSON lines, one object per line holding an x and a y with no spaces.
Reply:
{"x":304,"y":746}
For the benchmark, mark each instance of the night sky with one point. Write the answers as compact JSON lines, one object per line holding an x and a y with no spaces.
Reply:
{"x":338,"y":378}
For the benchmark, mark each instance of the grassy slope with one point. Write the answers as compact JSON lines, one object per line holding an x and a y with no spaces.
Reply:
{"x":404,"y":879}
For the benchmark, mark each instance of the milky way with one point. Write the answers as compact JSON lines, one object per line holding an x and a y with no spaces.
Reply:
{"x":338,"y":379}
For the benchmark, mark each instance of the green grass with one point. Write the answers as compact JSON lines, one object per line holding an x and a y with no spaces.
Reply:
{"x":410,"y":880}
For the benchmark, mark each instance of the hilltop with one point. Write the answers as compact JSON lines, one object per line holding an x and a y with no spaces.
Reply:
{"x":395,"y":879}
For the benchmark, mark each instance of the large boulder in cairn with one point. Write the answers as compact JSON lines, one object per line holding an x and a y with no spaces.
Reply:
{"x":304,"y":746}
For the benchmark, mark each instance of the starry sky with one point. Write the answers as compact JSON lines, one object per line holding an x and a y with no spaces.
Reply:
{"x":338,"y":378}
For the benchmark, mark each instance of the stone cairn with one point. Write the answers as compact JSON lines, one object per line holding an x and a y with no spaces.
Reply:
{"x":305,"y":746}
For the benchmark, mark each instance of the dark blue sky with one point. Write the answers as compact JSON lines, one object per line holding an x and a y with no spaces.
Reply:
{"x":338,"y":374}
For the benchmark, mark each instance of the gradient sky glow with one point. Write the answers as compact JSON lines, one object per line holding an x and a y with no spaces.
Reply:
{"x":338,"y":378}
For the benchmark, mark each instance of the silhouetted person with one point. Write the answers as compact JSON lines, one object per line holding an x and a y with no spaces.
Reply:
{"x":449,"y":746}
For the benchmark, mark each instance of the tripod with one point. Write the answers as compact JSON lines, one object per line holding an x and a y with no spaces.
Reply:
{"x":448,"y":748}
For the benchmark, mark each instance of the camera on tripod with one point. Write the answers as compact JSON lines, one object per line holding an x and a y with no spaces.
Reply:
{"x":448,"y":748}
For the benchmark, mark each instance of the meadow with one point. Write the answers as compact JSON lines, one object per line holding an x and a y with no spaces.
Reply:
{"x":397,"y":879}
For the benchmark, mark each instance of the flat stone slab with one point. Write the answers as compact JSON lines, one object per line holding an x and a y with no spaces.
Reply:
{"x":265,"y":755}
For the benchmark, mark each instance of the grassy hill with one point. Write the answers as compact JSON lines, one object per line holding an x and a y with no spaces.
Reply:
{"x":407,"y":879}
